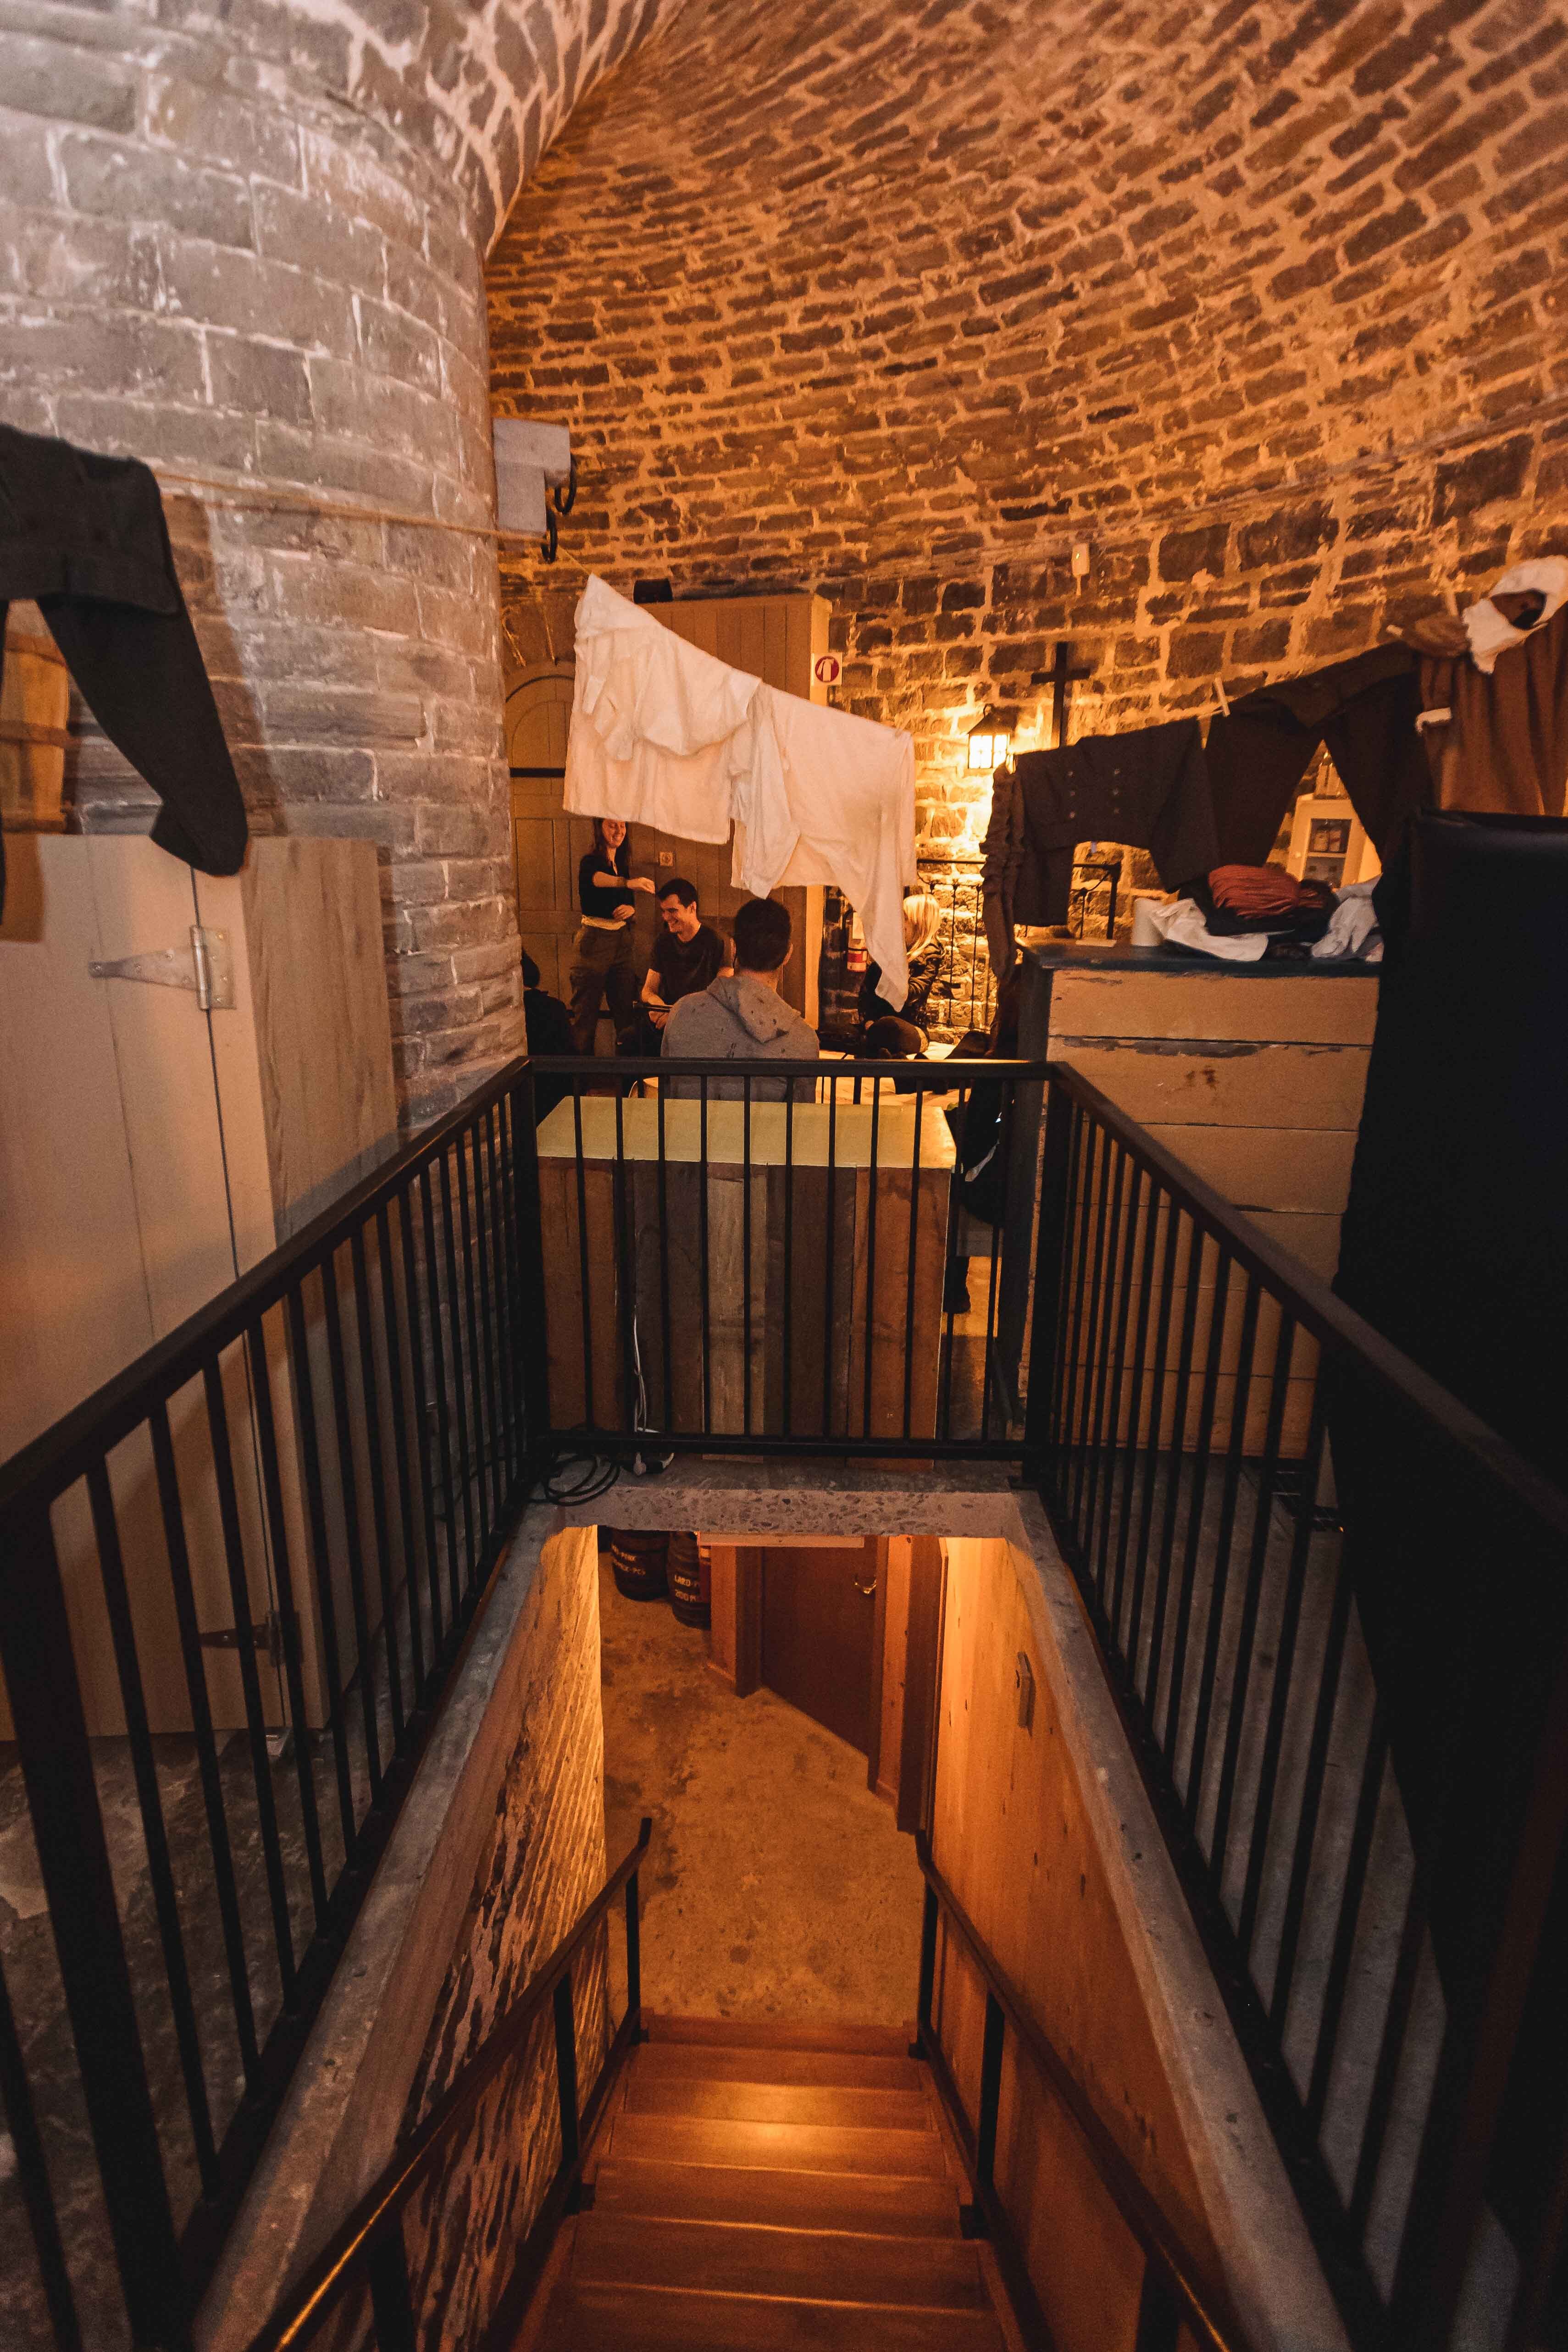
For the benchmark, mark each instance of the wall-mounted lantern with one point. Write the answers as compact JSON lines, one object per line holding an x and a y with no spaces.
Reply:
{"x":991,"y":739}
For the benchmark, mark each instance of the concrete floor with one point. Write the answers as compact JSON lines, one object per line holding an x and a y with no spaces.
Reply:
{"x":777,"y":1885}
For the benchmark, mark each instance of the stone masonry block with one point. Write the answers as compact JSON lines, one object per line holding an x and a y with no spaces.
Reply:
{"x":66,"y":84}
{"x":130,"y":183}
{"x":249,"y":136}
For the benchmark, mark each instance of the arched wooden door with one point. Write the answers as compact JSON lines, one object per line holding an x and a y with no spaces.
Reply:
{"x":546,"y":843}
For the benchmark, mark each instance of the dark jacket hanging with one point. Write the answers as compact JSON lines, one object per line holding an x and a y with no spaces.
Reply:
{"x":1364,"y":709}
{"x":1148,"y":788}
{"x":84,"y":538}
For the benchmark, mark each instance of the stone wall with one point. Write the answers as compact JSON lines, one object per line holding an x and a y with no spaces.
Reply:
{"x":243,"y":242}
{"x":545,"y":1860}
{"x":1263,"y":301}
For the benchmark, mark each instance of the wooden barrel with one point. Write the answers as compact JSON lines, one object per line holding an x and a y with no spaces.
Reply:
{"x":637,"y":1560}
{"x":35,"y":707}
{"x":690,"y":1585}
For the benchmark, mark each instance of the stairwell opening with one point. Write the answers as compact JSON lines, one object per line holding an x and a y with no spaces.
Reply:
{"x":778,"y":1887}
{"x":806,"y":2135}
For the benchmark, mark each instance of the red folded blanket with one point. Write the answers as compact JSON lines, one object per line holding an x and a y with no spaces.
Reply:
{"x":1263,"y":895}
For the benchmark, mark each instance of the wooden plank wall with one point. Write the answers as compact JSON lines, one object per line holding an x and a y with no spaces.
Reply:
{"x":1012,"y":1834}
{"x":1255,"y":1083}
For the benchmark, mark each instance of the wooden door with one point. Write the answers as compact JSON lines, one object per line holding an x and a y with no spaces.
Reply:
{"x":546,"y":843}
{"x":819,"y":1619}
{"x":119,"y":1219}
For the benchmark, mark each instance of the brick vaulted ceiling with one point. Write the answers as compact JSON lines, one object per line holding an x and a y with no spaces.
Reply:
{"x":960,"y":278}
{"x":854,"y":294}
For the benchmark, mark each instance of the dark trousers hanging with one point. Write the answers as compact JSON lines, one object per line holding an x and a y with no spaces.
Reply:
{"x":84,"y":538}
{"x":1365,"y":710}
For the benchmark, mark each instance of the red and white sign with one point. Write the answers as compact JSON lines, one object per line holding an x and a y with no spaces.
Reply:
{"x":828,"y":669}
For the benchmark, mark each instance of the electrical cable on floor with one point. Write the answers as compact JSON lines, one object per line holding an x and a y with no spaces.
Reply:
{"x":599,"y":1475}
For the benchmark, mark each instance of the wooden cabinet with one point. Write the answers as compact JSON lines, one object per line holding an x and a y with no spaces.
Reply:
{"x":152,"y":1150}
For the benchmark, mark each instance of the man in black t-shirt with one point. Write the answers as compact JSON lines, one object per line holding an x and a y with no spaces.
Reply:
{"x":687,"y":954}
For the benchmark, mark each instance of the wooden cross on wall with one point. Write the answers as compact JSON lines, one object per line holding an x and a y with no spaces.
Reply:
{"x":1059,"y":677}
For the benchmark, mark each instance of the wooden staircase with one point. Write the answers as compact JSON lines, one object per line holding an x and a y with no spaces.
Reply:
{"x":757,"y":2189}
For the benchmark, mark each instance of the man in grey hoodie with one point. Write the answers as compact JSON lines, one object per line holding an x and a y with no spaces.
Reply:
{"x":741,"y":1017}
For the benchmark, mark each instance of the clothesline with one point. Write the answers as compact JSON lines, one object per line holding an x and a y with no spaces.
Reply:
{"x":267,"y":498}
{"x":270,"y":499}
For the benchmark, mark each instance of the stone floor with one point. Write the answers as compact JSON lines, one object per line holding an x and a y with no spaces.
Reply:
{"x":777,"y":1885}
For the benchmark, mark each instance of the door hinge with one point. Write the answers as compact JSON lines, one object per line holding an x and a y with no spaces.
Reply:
{"x":268,"y":1636}
{"x":207,"y":966}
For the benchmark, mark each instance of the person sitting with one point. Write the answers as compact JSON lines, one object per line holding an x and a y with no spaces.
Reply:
{"x":740,"y":1016}
{"x":602,"y":965}
{"x":902,"y":1036}
{"x":549,"y":1032}
{"x":687,"y":954}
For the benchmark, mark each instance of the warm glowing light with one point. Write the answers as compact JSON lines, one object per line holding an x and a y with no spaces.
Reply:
{"x":990,"y":742}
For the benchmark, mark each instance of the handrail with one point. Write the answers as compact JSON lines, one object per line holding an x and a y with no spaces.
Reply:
{"x":51,"y":1461}
{"x":918,"y":1074}
{"x":1320,"y":1311}
{"x":352,"y":2243}
{"x":1201,"y":2305}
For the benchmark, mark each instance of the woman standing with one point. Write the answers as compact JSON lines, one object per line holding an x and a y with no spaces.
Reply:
{"x":602,"y":963}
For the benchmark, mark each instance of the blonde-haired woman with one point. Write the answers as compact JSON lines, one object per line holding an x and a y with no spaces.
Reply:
{"x":903,"y":1033}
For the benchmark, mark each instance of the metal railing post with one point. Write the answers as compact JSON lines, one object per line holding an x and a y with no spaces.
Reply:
{"x":39,"y":1667}
{"x":533,"y":1362}
{"x":989,"y":2092}
{"x":391,"y":2297}
{"x":566,"y":2071}
{"x":1050,"y":1245}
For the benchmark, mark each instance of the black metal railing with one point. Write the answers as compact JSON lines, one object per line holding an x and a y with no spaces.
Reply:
{"x":367,"y":2251}
{"x":1190,"y":1384}
{"x":1174,"y":2293}
{"x":232,"y":1585}
{"x":964,"y":993}
{"x":828,"y":1270}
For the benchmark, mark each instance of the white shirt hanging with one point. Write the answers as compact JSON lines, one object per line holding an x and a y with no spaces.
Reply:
{"x":665,"y":735}
{"x":850,"y":788}
{"x":662,"y":734}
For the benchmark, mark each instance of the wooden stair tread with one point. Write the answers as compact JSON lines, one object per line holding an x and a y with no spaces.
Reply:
{"x":778,"y":2102}
{"x":589,"y":2318}
{"x":752,"y":2033}
{"x":893,"y":2203}
{"x":810,"y":2147}
{"x":721,"y":2257}
{"x":851,"y":2069}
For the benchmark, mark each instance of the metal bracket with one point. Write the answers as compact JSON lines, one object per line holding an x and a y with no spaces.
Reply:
{"x":206,"y":967}
{"x":268,"y":1636}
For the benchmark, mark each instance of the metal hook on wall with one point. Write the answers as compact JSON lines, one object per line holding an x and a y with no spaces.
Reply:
{"x":566,"y":492}
{"x":549,"y":542}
